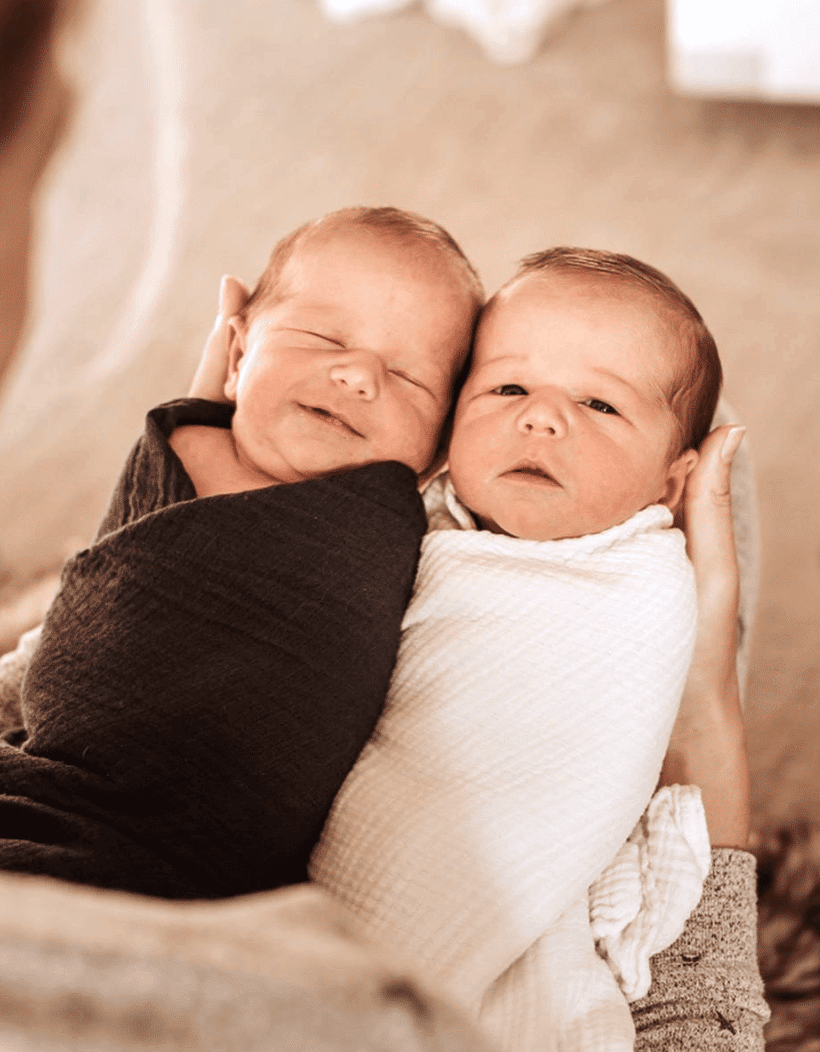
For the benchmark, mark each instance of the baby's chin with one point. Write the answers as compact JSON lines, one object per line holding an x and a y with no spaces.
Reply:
{"x":513,"y":526}
{"x":303,"y":472}
{"x":532,"y":527}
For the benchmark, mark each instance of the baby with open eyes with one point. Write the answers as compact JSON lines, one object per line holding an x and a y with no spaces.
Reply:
{"x":542,"y":662}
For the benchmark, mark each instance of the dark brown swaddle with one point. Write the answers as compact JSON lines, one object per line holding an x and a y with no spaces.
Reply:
{"x":207,"y":676}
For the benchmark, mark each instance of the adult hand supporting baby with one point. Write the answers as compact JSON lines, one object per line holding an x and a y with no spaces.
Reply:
{"x":708,"y":745}
{"x":212,"y":371}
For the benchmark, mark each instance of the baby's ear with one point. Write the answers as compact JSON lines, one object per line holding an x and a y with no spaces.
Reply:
{"x":676,"y":475}
{"x":237,"y":346}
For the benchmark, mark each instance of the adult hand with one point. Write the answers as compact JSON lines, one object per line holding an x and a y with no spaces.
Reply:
{"x":708,"y":745}
{"x":212,"y":371}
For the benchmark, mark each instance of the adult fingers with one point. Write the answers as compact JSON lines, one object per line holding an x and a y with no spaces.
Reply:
{"x":212,"y":371}
{"x":233,"y":296}
{"x":707,"y":512}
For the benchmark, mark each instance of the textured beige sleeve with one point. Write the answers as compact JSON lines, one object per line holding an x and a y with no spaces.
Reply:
{"x":706,"y":990}
{"x":12,"y":670}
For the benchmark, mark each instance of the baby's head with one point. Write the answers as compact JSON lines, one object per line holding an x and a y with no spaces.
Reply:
{"x":594,"y":379}
{"x":349,"y":349}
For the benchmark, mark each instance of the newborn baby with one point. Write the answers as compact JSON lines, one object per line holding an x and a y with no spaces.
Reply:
{"x":543,"y":654}
{"x":217,"y":658}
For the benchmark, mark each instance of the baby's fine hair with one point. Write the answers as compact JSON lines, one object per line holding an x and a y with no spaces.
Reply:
{"x":395,"y":222}
{"x":696,"y":389}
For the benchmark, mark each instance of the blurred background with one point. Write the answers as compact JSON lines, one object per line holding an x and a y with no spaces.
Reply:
{"x":205,"y":130}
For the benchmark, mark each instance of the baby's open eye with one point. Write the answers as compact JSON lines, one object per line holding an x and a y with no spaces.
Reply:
{"x":599,"y":406}
{"x":509,"y":389}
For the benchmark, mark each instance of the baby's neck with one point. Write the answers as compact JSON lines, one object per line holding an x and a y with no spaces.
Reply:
{"x":209,"y":456}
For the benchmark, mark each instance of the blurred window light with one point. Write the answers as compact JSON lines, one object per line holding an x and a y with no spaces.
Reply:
{"x":753,"y":49}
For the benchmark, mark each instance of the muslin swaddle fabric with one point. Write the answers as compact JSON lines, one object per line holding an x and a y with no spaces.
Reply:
{"x":528,"y":715}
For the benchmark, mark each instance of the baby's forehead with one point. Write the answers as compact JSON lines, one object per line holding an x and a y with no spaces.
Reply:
{"x":426,"y":258}
{"x":531,"y":299}
{"x":331,"y":235}
{"x":570,"y":283}
{"x":538,"y":291}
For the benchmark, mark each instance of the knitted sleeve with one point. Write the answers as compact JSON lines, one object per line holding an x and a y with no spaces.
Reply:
{"x":12,"y":670}
{"x":706,"y":990}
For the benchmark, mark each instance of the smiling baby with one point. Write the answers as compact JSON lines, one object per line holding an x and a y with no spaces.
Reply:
{"x":216,"y":659}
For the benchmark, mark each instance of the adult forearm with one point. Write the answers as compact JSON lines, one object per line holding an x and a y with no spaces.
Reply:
{"x":708,"y":749}
{"x":708,"y":745}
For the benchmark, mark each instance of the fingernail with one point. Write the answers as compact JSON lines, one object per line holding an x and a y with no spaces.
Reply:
{"x":222,"y":282}
{"x":731,"y":444}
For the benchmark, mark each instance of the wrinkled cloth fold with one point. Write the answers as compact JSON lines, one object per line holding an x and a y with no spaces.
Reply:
{"x":640,"y":903}
{"x":535,"y":690}
{"x":207,"y":676}
{"x":562,"y":993}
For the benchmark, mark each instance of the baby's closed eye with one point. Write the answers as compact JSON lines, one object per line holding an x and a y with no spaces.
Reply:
{"x":406,"y":376}
{"x":414,"y":381}
{"x":313,"y":337}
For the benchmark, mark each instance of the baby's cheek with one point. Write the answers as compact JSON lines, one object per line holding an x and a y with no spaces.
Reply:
{"x":468,"y":488}
{"x":620,"y":495}
{"x":420,"y":434}
{"x":414,"y":452}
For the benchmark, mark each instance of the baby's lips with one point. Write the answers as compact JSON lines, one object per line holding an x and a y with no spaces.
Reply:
{"x":534,"y":467}
{"x":340,"y":417}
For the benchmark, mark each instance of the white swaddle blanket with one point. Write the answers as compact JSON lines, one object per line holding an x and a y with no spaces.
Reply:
{"x":529,"y":712}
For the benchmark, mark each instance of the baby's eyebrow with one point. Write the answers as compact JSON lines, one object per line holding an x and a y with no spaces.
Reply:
{"x":655,"y":392}
{"x":496,"y":365}
{"x":501,"y":360}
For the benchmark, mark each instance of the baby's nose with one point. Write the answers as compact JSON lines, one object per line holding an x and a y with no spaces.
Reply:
{"x":544,"y":413}
{"x":359,"y":374}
